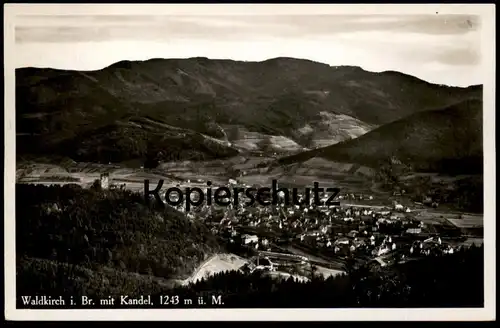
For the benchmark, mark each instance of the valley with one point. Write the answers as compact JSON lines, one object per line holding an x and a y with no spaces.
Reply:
{"x":352,"y":179}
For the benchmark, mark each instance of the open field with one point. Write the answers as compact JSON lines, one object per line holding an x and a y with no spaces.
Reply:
{"x":231,"y":262}
{"x":184,"y":174}
{"x":195,"y":174}
{"x":475,"y":241}
{"x":285,"y":275}
{"x":467,"y":221}
{"x":217,"y":263}
{"x":326,"y":272}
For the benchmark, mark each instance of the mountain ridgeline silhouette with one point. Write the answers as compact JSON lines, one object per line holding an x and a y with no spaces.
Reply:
{"x":183,"y":107}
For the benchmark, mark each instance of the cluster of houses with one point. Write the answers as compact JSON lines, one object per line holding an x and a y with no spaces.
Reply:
{"x":355,"y":197}
{"x":338,"y":231}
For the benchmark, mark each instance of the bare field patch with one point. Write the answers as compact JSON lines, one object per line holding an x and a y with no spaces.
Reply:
{"x":189,"y":174}
{"x":217,"y":263}
{"x":326,"y":272}
{"x":473,"y":241}
{"x":259,"y":179}
{"x":286,"y":275}
{"x":456,"y":219}
{"x":468,"y":222}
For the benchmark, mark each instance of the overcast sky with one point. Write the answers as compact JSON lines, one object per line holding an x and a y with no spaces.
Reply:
{"x":438,"y":48}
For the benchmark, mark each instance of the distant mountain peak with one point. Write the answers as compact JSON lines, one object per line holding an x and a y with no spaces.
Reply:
{"x":122,"y":64}
{"x":301,"y":102}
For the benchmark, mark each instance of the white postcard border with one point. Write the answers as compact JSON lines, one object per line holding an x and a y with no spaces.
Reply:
{"x":485,"y":11}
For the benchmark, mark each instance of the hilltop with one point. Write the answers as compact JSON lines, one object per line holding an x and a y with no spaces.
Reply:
{"x":445,"y":140}
{"x":199,"y":108}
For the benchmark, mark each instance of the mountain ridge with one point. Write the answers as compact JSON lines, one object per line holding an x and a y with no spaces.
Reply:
{"x":300,"y":100}
{"x":157,"y":59}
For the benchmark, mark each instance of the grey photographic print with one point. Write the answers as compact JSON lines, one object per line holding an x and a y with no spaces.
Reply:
{"x":229,"y":158}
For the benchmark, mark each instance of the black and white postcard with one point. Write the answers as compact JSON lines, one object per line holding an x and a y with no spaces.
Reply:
{"x":249,"y":162}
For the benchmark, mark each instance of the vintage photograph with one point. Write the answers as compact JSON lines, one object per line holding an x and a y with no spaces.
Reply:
{"x":213,"y":160}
